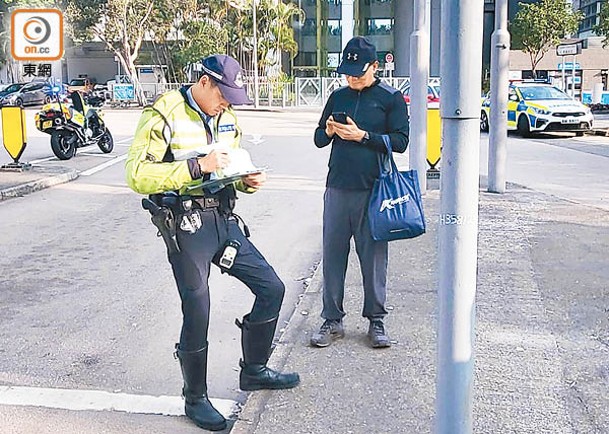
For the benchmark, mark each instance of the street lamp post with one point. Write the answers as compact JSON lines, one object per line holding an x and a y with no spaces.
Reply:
{"x":419,"y":76}
{"x":458,"y":223}
{"x":500,"y":58}
{"x":256,"y":97}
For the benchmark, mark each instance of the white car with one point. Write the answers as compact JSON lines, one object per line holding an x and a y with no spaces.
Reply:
{"x":535,"y":107}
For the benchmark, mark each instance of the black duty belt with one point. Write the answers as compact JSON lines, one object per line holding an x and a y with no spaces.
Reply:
{"x":207,"y":202}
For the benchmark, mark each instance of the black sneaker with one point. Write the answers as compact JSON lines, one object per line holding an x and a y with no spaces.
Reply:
{"x":377,"y":335}
{"x":330,"y":330}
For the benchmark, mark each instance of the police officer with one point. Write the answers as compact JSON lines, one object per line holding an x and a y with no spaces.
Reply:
{"x":182,"y":140}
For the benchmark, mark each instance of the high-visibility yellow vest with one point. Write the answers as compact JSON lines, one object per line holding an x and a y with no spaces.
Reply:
{"x":183,"y":132}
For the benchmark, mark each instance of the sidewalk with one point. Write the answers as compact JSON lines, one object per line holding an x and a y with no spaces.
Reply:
{"x":15,"y":184}
{"x":542,"y":339}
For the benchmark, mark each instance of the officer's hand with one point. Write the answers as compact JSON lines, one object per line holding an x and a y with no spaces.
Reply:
{"x":255,"y":180}
{"x":216,"y":159}
{"x":349,"y":131}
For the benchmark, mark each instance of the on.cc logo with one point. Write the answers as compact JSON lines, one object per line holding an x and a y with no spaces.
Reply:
{"x":36,"y":30}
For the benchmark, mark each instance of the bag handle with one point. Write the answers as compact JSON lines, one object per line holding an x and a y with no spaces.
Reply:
{"x":386,"y":162}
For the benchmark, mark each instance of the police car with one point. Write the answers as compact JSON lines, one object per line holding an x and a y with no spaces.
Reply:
{"x":535,"y":107}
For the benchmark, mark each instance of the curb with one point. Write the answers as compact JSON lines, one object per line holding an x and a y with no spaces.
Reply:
{"x":249,"y":417}
{"x":603,"y":132}
{"x":38,"y":184}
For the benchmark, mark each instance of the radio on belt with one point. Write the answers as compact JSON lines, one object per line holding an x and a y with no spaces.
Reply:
{"x":231,"y":248}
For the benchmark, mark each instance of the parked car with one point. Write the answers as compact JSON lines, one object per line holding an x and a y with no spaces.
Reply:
{"x":535,"y":107}
{"x":433,"y":94}
{"x":35,"y":92}
{"x":82,"y":84}
{"x":10,"y":89}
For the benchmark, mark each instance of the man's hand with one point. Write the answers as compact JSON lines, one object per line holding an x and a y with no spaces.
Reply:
{"x":255,"y":180}
{"x":330,"y":122}
{"x":349,"y":131}
{"x":216,"y":159}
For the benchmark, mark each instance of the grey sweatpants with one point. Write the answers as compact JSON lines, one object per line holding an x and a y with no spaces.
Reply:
{"x":345,"y":216}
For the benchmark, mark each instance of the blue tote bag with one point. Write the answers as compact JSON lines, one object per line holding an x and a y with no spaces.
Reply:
{"x":395,"y":210}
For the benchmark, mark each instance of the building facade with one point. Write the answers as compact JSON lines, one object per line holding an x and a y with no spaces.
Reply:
{"x":591,"y":10}
{"x":329,"y":24}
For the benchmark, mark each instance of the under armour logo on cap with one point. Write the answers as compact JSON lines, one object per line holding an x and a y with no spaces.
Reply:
{"x":352,"y":56}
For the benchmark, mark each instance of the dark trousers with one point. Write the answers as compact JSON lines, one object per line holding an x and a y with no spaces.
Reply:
{"x":191,"y":268}
{"x":345,"y":216}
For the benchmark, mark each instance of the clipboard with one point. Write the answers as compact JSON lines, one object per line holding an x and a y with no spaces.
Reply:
{"x":227,"y":180}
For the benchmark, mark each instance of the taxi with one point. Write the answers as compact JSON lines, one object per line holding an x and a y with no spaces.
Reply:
{"x":535,"y":107}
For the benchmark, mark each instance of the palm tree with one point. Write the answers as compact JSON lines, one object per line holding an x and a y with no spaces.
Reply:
{"x":274,"y":28}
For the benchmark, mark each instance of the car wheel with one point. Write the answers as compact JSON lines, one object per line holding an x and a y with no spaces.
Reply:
{"x":19,"y":102}
{"x":579,"y":133}
{"x":483,"y":122}
{"x":523,"y":126}
{"x":47,"y":99}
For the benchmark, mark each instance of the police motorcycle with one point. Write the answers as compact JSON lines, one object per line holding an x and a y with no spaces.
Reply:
{"x":72,"y":124}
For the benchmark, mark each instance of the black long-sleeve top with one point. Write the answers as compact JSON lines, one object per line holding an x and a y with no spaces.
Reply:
{"x":378,"y":109}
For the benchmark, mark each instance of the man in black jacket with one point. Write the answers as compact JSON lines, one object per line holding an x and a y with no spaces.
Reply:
{"x":372,"y":110}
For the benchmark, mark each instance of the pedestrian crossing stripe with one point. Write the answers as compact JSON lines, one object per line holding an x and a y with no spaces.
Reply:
{"x":97,"y":400}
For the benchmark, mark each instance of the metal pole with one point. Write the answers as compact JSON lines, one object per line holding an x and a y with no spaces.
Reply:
{"x":402,"y":30}
{"x":256,"y":92}
{"x":500,"y":56}
{"x":461,"y":41}
{"x":419,"y":76}
{"x":564,"y":76}
{"x":573,"y":77}
{"x":346,"y":21}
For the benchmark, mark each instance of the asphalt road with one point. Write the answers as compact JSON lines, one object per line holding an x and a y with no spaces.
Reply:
{"x":88,"y":301}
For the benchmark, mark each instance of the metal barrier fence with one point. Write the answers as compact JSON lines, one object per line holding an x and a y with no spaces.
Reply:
{"x":316,"y":90}
{"x":304,"y":92}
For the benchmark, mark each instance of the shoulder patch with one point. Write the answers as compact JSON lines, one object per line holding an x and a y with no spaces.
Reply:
{"x":226,"y":128}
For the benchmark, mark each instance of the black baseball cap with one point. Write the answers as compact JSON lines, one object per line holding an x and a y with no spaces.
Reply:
{"x":358,"y":55}
{"x":226,"y":72}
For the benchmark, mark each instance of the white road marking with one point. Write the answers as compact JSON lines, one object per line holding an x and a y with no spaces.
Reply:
{"x":103,"y":165}
{"x":256,"y":139}
{"x":97,"y":154}
{"x":123,"y":142}
{"x":97,"y":400}
{"x":42,"y":160}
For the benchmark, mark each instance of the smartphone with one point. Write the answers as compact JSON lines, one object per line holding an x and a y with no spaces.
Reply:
{"x":340,"y":117}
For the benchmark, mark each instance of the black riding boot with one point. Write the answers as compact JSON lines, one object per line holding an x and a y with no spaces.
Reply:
{"x":256,"y":341}
{"x":198,"y":408}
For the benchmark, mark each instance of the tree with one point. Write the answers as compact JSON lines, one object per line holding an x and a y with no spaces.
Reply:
{"x":540,"y":26}
{"x":196,"y":32}
{"x":602,"y":28}
{"x":275,"y":33}
{"x":121,"y":25}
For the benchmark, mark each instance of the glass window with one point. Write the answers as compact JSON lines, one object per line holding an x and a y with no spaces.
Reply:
{"x":13,"y":88}
{"x":380,"y":26}
{"x":334,"y":28}
{"x":305,"y":59}
{"x":542,"y":92}
{"x":310,"y":27}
